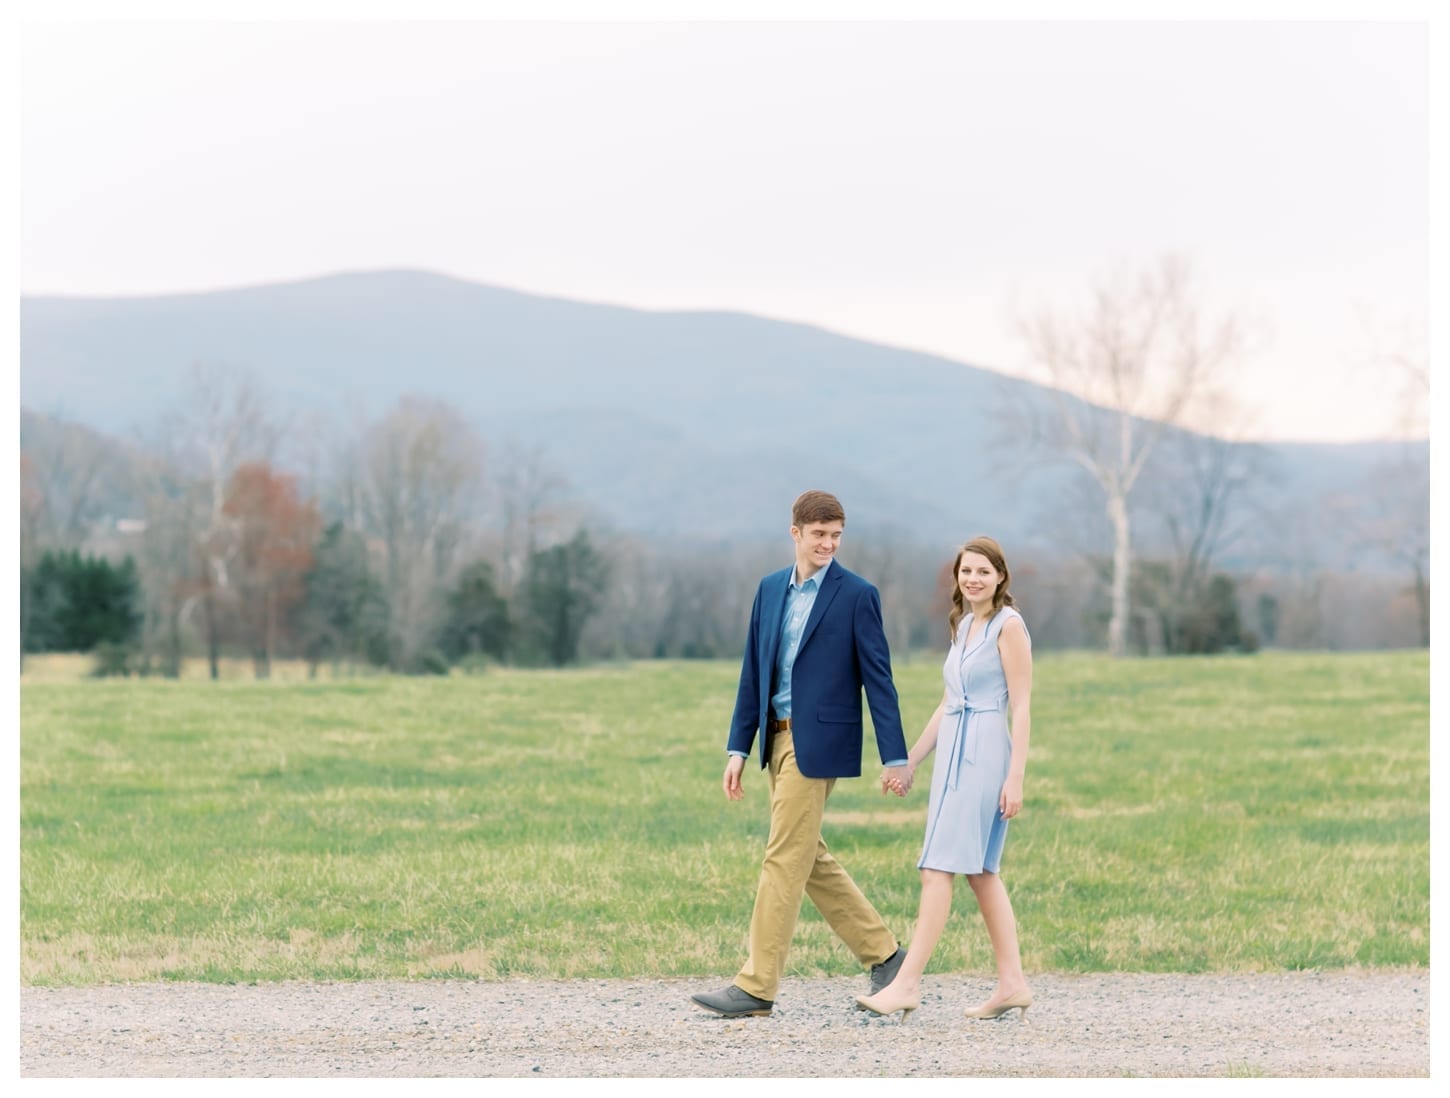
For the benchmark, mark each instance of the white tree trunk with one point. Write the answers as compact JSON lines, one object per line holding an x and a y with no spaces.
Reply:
{"x":1138,"y":358}
{"x":1122,"y":569}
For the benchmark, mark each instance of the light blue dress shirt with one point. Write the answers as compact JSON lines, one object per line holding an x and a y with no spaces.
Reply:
{"x":799,"y":600}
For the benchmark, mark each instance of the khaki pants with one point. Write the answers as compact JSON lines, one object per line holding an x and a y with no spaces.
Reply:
{"x":796,"y":862}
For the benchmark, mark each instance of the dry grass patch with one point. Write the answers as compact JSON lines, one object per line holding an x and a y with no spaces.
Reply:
{"x":885,"y":817}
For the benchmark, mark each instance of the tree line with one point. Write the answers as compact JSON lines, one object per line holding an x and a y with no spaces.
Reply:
{"x":411,"y":563}
{"x":408,"y":542}
{"x":403,"y":556}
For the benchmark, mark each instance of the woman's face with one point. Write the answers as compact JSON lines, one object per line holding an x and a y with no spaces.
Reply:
{"x":977,"y":578}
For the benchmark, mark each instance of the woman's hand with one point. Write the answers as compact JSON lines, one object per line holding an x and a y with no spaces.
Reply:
{"x":898,"y":780}
{"x":1010,"y":802}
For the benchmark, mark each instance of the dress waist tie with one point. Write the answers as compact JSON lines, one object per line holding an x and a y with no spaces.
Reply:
{"x":964,"y":753}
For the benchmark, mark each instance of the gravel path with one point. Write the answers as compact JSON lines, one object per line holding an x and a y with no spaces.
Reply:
{"x":1364,"y":1023}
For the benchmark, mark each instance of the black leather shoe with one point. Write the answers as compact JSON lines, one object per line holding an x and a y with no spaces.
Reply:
{"x":731,"y":1002}
{"x":886,"y":971}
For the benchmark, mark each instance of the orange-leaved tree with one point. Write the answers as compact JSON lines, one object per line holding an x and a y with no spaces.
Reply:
{"x":272,"y":534}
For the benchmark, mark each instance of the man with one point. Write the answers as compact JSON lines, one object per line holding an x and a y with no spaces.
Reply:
{"x":815,"y":640}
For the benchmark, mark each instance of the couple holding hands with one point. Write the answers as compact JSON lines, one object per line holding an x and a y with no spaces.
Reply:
{"x":815,"y":641}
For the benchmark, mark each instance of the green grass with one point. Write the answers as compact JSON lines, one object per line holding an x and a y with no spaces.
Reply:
{"x":1216,"y":814}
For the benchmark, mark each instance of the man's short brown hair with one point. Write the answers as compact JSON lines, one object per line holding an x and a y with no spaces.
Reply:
{"x":814,"y":506}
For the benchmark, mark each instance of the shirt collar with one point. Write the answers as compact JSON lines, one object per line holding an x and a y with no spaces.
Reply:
{"x":819,"y":577}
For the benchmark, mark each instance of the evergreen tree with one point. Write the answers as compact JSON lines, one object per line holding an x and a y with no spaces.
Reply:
{"x":563,"y":588}
{"x":76,"y":603}
{"x":344,"y":614}
{"x":478,"y":618}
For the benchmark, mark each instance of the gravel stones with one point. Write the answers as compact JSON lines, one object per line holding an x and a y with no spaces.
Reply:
{"x":1354,"y":1023}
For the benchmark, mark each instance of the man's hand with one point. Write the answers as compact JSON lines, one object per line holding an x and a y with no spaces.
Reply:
{"x":897,"y":779}
{"x":734,"y":767}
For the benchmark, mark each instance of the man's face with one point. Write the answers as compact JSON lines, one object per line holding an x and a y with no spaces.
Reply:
{"x":815,"y":545}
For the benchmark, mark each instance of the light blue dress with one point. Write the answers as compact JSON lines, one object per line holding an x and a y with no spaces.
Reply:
{"x":965,"y":831}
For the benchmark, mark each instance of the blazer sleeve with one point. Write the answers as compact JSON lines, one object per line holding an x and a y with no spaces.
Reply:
{"x":873,"y":656}
{"x":745,"y":722}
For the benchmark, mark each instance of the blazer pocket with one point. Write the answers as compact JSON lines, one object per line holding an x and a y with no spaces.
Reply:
{"x":838,"y":714}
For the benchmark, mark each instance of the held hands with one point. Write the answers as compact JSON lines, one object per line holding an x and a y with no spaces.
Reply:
{"x":894,"y":779}
{"x":898,"y":779}
{"x":1010,"y":802}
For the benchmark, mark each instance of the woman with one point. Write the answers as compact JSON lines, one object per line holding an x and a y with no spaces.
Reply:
{"x":976,"y":786}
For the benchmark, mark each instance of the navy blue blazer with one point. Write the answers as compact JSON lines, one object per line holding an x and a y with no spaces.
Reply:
{"x":843,"y":649}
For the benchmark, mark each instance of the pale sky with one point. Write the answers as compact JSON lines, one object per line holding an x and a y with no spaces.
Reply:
{"x":904,"y":182}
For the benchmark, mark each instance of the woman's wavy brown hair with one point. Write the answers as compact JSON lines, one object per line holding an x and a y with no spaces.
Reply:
{"x":988,"y":548}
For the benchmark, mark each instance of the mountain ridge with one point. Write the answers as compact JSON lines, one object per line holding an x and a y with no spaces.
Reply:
{"x":664,"y":419}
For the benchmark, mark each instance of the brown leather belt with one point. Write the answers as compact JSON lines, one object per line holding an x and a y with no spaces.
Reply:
{"x":773,"y":725}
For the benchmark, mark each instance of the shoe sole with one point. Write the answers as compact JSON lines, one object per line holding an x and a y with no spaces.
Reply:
{"x":732,"y":1013}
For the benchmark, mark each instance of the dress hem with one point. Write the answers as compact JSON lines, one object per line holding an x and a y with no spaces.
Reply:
{"x":960,"y":872}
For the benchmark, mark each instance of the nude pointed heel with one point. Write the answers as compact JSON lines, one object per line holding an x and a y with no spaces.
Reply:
{"x":1017,"y":1002}
{"x":875,"y":1005}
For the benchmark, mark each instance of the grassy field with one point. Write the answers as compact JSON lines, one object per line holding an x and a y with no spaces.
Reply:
{"x":1236,"y":813}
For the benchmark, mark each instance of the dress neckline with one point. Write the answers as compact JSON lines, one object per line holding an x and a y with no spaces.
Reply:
{"x":986,"y":628}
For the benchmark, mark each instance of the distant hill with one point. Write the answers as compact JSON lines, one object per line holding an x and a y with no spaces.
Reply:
{"x":676,"y":424}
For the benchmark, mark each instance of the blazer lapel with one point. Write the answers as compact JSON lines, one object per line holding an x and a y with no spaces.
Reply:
{"x":823,"y":603}
{"x":774,"y":614}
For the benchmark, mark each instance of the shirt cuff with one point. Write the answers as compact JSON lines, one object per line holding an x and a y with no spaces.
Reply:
{"x":738,"y":754}
{"x":898,"y":762}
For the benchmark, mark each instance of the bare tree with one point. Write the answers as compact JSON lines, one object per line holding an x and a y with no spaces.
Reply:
{"x":1122,"y":373}
{"x":1393,"y":515}
{"x":531,"y":501}
{"x":170,"y":565}
{"x":419,"y":477}
{"x":222,"y":422}
{"x":1204,"y":494}
{"x":630,"y":623}
{"x":1392,"y":355}
{"x":1395,"y":519}
{"x":338,"y":452}
{"x":32,"y":504}
{"x":675,"y":601}
{"x":66,"y":464}
{"x":1414,"y":371}
{"x":905,"y":575}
